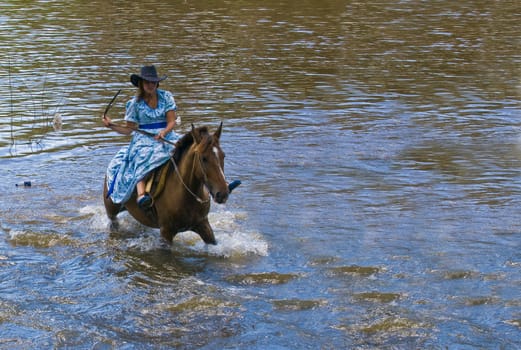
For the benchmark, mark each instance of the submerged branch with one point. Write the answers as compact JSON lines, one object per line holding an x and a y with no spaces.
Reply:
{"x":44,"y":118}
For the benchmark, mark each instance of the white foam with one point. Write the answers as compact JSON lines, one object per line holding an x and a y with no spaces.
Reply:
{"x":229,"y":245}
{"x":99,"y":221}
{"x":97,"y":218}
{"x":14,"y":234}
{"x":233,"y":239}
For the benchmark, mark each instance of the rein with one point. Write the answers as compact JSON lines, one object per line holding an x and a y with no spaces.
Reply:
{"x":199,"y":199}
{"x":141,"y":131}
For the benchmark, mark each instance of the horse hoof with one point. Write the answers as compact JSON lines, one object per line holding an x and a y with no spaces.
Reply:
{"x":114,"y":225}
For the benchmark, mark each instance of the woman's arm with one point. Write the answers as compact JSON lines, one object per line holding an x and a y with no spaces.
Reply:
{"x":170,"y":124}
{"x":125,"y":129}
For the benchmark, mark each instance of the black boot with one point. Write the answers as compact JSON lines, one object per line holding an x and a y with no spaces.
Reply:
{"x":145,"y":201}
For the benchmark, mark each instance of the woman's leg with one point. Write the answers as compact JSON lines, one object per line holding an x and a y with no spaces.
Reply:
{"x":140,"y":189}
{"x":143,"y":199}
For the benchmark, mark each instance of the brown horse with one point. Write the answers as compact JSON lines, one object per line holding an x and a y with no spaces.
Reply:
{"x":196,"y":173}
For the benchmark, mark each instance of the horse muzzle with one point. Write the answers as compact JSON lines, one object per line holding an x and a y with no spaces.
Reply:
{"x":220,"y":197}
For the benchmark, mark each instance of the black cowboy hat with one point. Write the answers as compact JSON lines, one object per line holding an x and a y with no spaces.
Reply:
{"x":148,"y":73}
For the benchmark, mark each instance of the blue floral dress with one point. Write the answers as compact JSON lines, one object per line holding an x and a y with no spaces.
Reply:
{"x":143,"y":153}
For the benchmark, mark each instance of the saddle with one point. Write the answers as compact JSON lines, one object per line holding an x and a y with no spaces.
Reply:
{"x":155,"y":183}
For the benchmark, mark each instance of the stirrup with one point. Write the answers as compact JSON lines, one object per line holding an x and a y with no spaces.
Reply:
{"x":145,"y":202}
{"x":234,"y":184}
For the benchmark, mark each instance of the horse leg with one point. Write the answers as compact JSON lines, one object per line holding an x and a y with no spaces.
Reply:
{"x":205,"y":231}
{"x":166,"y":233}
{"x":112,"y":211}
{"x":111,"y":208}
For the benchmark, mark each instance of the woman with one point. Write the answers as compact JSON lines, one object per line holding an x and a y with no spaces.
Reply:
{"x":153,"y":110}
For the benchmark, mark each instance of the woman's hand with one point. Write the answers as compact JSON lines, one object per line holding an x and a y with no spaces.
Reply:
{"x":161,"y":135}
{"x":106,"y":121}
{"x":125,"y":129}
{"x":170,"y":124}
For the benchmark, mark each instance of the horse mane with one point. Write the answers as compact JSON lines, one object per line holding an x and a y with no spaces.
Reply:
{"x":184,"y":143}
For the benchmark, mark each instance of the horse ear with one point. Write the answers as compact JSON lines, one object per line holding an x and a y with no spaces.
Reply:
{"x":217,"y":134}
{"x":195,"y":135}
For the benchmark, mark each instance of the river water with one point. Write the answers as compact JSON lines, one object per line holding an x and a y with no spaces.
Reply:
{"x":379,"y":145}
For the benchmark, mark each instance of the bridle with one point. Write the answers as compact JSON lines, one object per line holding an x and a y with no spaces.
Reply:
{"x":197,"y":198}
{"x":205,"y":178}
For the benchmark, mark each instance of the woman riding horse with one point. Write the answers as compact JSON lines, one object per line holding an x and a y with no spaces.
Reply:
{"x":194,"y":173}
{"x":198,"y":163}
{"x":153,"y":110}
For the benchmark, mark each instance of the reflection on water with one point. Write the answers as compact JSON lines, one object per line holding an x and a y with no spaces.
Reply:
{"x":379,"y":150}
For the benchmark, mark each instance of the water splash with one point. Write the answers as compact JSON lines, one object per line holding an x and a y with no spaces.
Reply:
{"x":233,"y":239}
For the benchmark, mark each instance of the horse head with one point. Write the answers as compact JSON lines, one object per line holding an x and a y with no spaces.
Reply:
{"x":209,"y":162}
